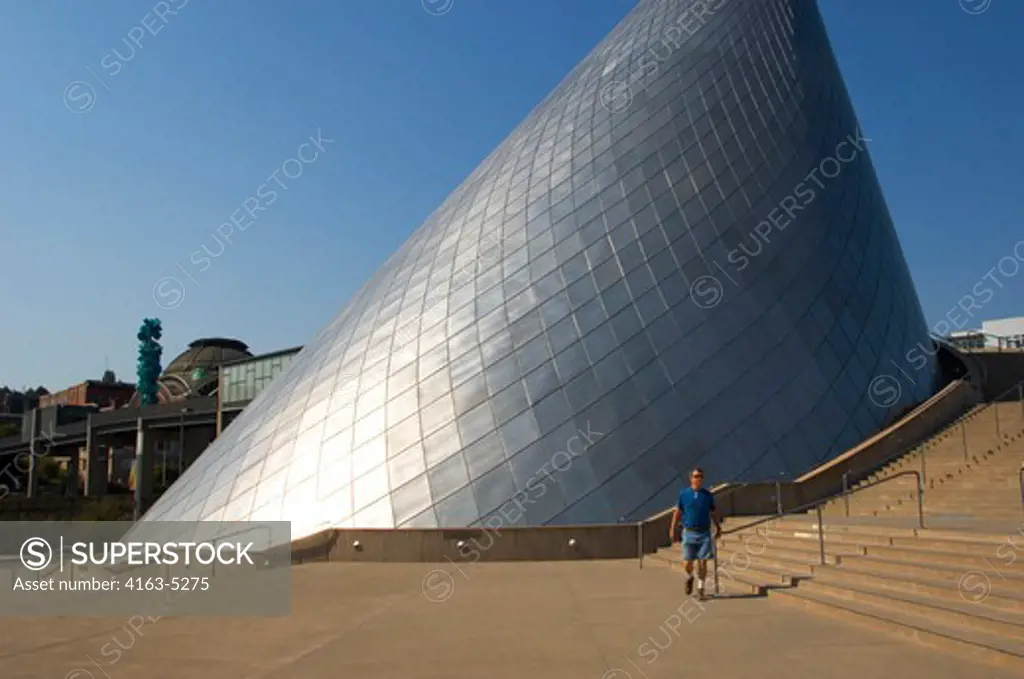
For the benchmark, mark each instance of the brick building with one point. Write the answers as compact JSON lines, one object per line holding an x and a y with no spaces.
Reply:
{"x":95,"y":392}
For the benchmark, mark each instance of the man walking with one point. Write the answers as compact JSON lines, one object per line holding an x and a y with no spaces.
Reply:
{"x":696,"y":508}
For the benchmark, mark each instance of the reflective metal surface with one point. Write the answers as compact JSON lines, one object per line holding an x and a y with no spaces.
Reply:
{"x":681,"y":257}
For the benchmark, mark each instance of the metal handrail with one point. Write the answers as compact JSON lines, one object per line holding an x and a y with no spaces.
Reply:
{"x":1020,"y":479}
{"x":817,"y":505}
{"x":714,"y":554}
{"x":993,"y":403}
{"x":640,"y":542}
{"x":811,"y":505}
{"x":961,"y":422}
{"x":846,"y":487}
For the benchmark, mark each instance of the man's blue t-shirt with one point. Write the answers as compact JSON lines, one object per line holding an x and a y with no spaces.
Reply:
{"x":696,"y":507}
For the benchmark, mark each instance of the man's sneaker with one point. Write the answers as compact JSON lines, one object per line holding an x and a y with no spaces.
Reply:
{"x":700,"y":591}
{"x":689,"y":585}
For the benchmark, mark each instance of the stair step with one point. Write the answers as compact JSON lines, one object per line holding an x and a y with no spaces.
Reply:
{"x":967,"y":561}
{"x":953,"y":575}
{"x":961,"y":536}
{"x":1005,"y":481}
{"x":811,"y":525}
{"x":853,"y":544}
{"x":973,"y":591}
{"x":952,"y":613}
{"x":987,"y":490}
{"x":1003,"y":514}
{"x":979,"y":646}
{"x":973,"y":500}
{"x":957,"y":507}
{"x":760,"y":543}
{"x":869,"y":496}
{"x":1005,"y":489}
{"x":793,"y":564}
{"x":984,"y":472}
{"x":873,"y":529}
{"x":749,"y":582}
{"x":946,"y":544}
{"x":836,"y":539}
{"x":958,"y":510}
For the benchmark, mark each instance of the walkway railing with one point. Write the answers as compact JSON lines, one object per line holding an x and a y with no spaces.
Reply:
{"x":977,"y":422}
{"x":1020,"y":481}
{"x":640,"y":533}
{"x":817,"y":505}
{"x":1001,"y":342}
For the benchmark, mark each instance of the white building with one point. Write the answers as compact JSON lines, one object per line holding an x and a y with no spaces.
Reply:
{"x":1003,"y":333}
{"x":967,"y":339}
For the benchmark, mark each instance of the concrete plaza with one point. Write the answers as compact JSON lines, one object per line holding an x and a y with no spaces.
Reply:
{"x":592,"y":620}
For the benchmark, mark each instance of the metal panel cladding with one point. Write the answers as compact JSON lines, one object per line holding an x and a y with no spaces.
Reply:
{"x":681,"y":257}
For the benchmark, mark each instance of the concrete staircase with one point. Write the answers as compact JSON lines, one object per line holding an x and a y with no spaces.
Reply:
{"x":956,"y":585}
{"x":983,"y":485}
{"x":952,"y":590}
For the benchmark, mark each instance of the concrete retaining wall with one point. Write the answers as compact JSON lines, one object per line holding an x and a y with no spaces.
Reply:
{"x":541,"y":543}
{"x":1003,"y":371}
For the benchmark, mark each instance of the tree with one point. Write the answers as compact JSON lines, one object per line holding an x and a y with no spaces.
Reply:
{"x":49,"y":469}
{"x":148,"y":369}
{"x":18,"y":401}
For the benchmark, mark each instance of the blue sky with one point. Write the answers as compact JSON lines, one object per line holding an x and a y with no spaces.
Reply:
{"x":96,"y":206}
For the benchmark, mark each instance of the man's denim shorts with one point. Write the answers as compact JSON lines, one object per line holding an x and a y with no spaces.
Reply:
{"x":696,"y":545}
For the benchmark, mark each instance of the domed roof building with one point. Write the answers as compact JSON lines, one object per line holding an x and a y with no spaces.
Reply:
{"x":195,"y":372}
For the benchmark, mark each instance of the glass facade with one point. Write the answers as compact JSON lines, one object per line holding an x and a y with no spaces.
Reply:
{"x":967,"y":340}
{"x":241,"y":382}
{"x":681,"y":257}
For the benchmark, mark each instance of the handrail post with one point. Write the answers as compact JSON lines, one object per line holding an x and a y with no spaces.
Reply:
{"x":817,"y":505}
{"x":999,"y":433}
{"x":920,"y":501}
{"x":714,"y":555}
{"x":640,"y":542}
{"x":924,"y":455}
{"x":963,"y":431}
{"x":821,"y":535}
{"x":1020,"y":397}
{"x":778,"y":496}
{"x":846,"y":496}
{"x":1021,"y":480}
